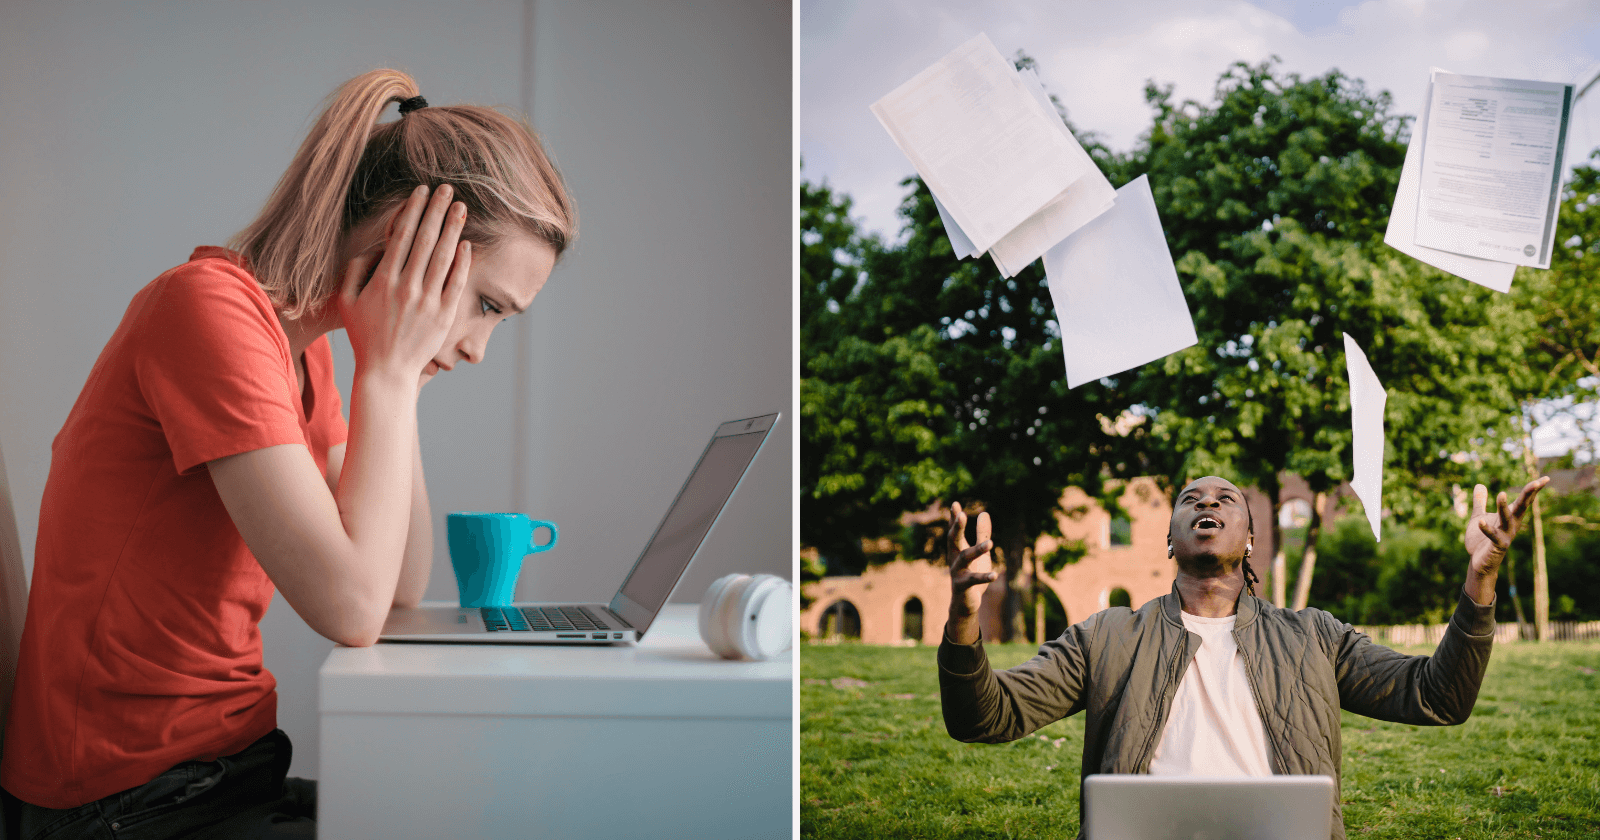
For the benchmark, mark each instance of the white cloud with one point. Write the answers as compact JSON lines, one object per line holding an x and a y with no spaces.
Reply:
{"x":1096,"y":57}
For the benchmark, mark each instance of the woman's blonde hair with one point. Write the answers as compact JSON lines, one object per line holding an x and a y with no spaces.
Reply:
{"x":350,"y":168}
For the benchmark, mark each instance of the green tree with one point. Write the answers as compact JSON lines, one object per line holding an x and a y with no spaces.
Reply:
{"x":1019,"y":437}
{"x":930,"y":378}
{"x":1563,"y":370}
{"x":926,"y":377}
{"x":1274,"y":198}
{"x":872,"y":420}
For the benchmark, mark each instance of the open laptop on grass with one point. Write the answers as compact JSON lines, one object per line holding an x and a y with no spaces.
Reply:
{"x":1139,"y":807}
{"x":644,"y":591}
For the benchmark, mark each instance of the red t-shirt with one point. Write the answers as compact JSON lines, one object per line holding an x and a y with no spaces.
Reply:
{"x":141,"y":648}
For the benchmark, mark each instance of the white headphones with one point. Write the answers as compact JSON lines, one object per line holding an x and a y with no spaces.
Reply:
{"x":748,"y":617}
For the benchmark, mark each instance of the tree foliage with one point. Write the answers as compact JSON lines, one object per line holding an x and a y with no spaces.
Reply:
{"x":872,"y":403}
{"x":1561,"y":351}
{"x":1018,"y":437}
{"x":1274,"y":199}
{"x":930,"y":378}
{"x":926,"y":378}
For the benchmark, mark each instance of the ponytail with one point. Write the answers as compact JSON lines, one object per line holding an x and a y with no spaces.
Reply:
{"x":293,"y":246}
{"x":350,"y":168}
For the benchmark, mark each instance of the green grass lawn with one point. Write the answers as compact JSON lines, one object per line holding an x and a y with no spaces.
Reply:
{"x":875,"y":760}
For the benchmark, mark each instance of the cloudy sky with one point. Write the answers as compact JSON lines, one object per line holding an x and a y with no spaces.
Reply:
{"x":1095,"y":55}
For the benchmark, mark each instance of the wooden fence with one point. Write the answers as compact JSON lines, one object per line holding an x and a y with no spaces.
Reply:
{"x":1505,"y":631}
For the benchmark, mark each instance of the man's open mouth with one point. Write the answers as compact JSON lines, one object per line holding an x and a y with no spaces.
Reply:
{"x":1207,"y":523}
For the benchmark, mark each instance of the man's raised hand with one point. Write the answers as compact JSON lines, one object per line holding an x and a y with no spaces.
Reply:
{"x":1488,"y":535}
{"x":971,"y":569}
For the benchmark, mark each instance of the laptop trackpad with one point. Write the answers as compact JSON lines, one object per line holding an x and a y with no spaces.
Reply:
{"x":425,"y":620}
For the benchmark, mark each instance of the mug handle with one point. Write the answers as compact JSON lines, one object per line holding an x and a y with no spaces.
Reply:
{"x":533,"y":546}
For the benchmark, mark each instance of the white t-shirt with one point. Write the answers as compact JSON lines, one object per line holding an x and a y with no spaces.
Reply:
{"x":1214,"y":728}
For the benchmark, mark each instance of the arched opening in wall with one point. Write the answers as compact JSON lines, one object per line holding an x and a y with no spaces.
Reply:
{"x":1119,"y":597}
{"x":1055,"y":617}
{"x":911,"y":620}
{"x":841,"y":621}
{"x":1121,"y":531}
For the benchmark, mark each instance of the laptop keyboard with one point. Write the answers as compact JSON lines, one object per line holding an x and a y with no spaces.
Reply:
{"x":541,"y":618}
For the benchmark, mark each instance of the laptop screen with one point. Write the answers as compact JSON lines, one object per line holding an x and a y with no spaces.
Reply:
{"x":721,"y":466}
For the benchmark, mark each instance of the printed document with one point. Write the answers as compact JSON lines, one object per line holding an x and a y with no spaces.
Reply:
{"x":1402,"y":232}
{"x":983,"y":145}
{"x":1116,"y":293}
{"x":1491,"y":167}
{"x":1367,"y":399}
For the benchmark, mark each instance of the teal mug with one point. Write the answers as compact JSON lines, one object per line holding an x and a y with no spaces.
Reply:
{"x":486,"y":550}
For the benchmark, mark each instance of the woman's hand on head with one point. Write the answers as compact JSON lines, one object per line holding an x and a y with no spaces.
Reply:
{"x":398,"y":320}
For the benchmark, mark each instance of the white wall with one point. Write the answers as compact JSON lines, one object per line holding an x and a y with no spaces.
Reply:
{"x":671,"y":123}
{"x":128,"y":137}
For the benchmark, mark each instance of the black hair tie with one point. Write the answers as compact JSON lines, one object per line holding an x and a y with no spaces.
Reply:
{"x":412,"y":104}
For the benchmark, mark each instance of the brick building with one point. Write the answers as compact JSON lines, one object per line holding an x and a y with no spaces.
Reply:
{"x":906,"y":601}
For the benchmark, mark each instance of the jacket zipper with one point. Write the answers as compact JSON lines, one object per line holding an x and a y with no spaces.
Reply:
{"x":1255,"y":694}
{"x":1150,"y":740}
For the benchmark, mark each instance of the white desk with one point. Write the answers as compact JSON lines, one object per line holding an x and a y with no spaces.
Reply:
{"x":659,"y":740}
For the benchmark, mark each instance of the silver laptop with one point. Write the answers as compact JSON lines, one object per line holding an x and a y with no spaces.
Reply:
{"x":716,"y":475}
{"x":1118,"y":807}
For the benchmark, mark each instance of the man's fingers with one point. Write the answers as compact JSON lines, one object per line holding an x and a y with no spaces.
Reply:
{"x":958,"y":528}
{"x":1530,"y":490}
{"x":1503,"y":508}
{"x":977,"y":551}
{"x":1495,"y":535}
{"x":983,"y":527}
{"x":960,"y":563}
{"x":1480,"y":500}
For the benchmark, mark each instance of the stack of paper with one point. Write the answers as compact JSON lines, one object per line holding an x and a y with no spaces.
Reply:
{"x":1008,"y":177}
{"x":1481,"y":182}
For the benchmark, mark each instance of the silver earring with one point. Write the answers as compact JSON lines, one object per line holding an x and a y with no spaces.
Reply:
{"x":1247,"y":548}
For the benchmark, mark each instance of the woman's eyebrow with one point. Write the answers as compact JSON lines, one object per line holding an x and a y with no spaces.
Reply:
{"x":500,"y":296}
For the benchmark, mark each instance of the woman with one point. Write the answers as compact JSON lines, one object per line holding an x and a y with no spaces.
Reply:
{"x":207,"y":461}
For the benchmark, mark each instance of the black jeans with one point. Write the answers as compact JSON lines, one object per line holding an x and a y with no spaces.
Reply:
{"x":244,"y":795}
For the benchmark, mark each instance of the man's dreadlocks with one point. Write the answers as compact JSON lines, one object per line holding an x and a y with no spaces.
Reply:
{"x":1250,"y":578}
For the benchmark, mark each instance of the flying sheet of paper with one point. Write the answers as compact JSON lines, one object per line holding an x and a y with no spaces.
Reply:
{"x":959,"y":241}
{"x":1367,"y":399}
{"x":1402,"y":232}
{"x":980,"y":141}
{"x":1116,"y":293}
{"x":1491,"y":167}
{"x":1083,"y":200}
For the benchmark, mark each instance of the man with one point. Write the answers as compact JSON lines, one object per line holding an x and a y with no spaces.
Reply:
{"x":1209,"y":679}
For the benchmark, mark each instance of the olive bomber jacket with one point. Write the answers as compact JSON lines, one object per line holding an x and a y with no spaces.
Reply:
{"x":1122,"y":667}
